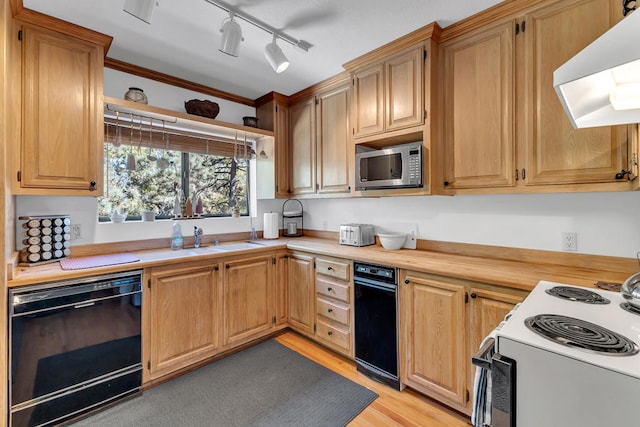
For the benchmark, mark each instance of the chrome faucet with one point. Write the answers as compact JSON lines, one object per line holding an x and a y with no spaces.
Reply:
{"x":197,"y":236}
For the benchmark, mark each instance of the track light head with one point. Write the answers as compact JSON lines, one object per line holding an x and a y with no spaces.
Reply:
{"x":231,"y":36}
{"x":141,"y":9}
{"x":275,"y":56}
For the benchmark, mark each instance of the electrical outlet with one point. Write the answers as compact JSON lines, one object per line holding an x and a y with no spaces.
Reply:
{"x":570,"y":241}
{"x":76,"y":232}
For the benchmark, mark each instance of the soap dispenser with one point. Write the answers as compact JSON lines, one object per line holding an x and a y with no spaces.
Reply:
{"x":176,"y":237}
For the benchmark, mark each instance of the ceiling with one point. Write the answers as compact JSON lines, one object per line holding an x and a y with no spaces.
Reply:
{"x":183,"y":37}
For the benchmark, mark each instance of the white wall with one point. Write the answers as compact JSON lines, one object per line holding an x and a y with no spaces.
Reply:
{"x":116,"y":83}
{"x":606,"y":223}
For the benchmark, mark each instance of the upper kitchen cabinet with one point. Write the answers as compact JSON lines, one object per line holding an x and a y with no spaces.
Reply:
{"x":392,"y":87}
{"x":388,"y":95}
{"x":393,"y":101}
{"x":334,"y":152}
{"x":272,"y":111}
{"x":61,"y":129}
{"x":555,"y":152}
{"x":477,"y":108}
{"x":502,"y":127}
{"x":321,"y":152}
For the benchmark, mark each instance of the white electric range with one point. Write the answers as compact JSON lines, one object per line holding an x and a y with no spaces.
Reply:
{"x":588,"y":377}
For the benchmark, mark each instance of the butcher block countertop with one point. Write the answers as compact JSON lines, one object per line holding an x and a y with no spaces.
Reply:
{"x":514,"y":268}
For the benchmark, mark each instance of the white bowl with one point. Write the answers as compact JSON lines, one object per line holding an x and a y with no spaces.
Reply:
{"x":392,"y":241}
{"x":118,"y":218}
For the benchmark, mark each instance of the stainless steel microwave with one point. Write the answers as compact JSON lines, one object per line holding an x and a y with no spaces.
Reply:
{"x":398,"y":166}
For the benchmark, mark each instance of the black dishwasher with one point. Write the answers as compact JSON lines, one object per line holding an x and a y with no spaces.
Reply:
{"x":376,"y":314}
{"x":74,"y":346}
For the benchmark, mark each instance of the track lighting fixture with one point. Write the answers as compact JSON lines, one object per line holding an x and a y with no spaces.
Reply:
{"x":231,"y":36}
{"x":141,"y":9}
{"x":275,"y":56}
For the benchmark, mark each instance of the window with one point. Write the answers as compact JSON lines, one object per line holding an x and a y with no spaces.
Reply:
{"x":147,"y":172}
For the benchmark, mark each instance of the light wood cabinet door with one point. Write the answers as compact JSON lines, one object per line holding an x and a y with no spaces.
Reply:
{"x":334,"y":159}
{"x":478,"y":96}
{"x":283,"y":169}
{"x":404,"y":77}
{"x":433,"y":347}
{"x":183,"y":318}
{"x":248,"y":295}
{"x":303,"y":147}
{"x":368,"y":98}
{"x":301,"y":293}
{"x":487,"y":308}
{"x":557,"y":153}
{"x":62,"y":113}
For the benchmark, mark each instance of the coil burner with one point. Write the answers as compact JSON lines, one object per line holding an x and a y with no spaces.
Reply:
{"x":577,"y":294}
{"x":580,"y":334}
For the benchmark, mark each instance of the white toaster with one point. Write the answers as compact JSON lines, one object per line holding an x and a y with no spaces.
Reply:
{"x":357,"y":235}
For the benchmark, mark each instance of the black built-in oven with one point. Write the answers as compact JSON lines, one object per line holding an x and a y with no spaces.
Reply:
{"x":376,"y":314}
{"x":74,"y":346}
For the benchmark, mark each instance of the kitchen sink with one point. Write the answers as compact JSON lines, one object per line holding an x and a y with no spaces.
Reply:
{"x":202,"y":250}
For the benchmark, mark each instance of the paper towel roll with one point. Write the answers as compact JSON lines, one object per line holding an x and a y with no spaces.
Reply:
{"x":270,"y":226}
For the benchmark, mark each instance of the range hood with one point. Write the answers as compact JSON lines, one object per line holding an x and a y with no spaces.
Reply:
{"x":600,"y":85}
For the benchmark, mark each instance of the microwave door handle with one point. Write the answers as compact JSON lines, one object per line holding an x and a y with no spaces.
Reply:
{"x":480,"y":358}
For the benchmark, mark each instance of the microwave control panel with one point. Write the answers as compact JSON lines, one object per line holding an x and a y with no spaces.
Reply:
{"x":415,"y":166}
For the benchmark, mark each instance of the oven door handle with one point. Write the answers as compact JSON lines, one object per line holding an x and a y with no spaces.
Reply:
{"x":480,"y":358}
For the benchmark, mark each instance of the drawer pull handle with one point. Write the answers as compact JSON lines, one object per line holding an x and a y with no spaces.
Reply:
{"x":329,"y":268}
{"x":330,"y":310}
{"x":330,"y":333}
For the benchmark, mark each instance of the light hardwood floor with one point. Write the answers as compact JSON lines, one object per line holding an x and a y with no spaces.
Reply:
{"x":391,"y":408}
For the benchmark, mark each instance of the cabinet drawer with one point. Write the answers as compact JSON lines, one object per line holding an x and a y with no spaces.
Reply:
{"x":331,"y":288}
{"x":339,"y":270}
{"x":334,"y":311}
{"x":334,"y":336}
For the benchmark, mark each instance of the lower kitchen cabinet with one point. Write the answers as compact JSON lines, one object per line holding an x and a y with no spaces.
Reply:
{"x":183,"y":317}
{"x":334,"y":305}
{"x":432,"y":336}
{"x":442,"y":323}
{"x":301,"y":292}
{"x":248,"y":298}
{"x":488,"y":305}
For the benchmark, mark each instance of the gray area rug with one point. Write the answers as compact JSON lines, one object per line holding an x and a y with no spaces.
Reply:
{"x":265,"y":385}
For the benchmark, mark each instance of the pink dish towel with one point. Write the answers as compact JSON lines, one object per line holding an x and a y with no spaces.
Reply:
{"x":97,"y":261}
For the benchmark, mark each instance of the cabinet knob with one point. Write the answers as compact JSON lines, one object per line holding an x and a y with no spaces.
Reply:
{"x":622,"y":174}
{"x":446,"y":183}
{"x":329,"y":268}
{"x":473,"y":295}
{"x":329,"y":289}
{"x":330,"y":333}
{"x":406,"y":281}
{"x":330,"y":310}
{"x":216,"y":268}
{"x":92,"y":186}
{"x":227,"y":266}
